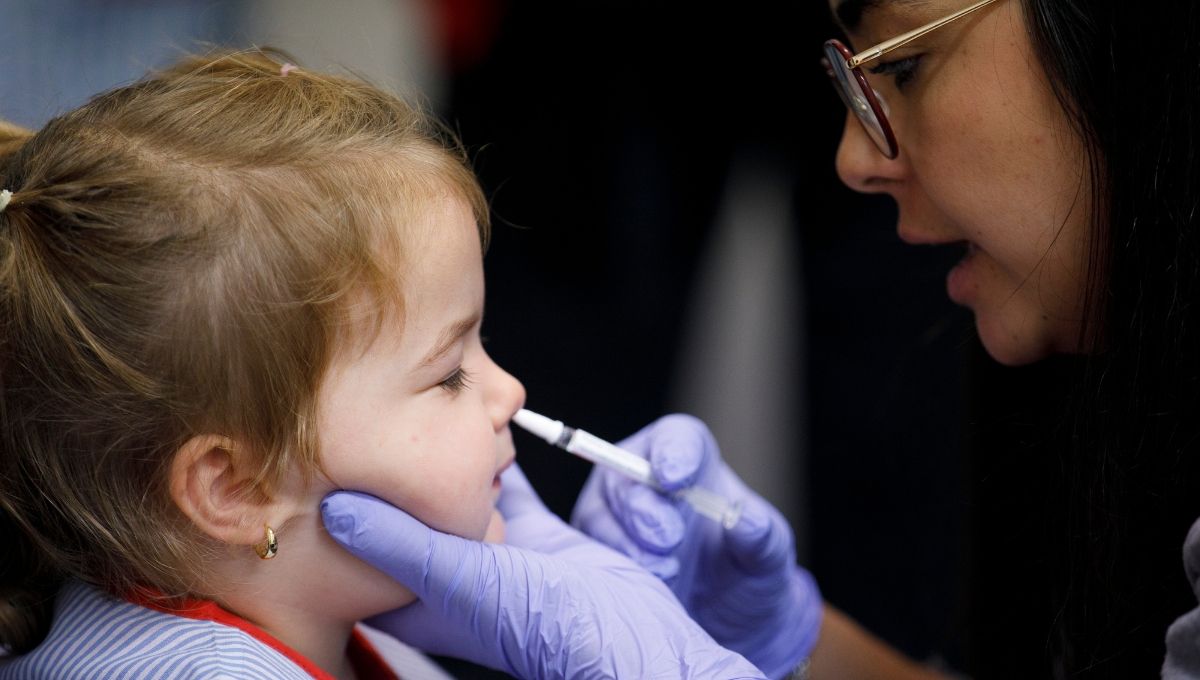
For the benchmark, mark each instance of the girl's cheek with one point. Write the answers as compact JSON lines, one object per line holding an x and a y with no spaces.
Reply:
{"x":495,"y":529}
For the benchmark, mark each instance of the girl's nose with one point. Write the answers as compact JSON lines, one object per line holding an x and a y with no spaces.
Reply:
{"x":861,"y":165}
{"x":506,"y":395}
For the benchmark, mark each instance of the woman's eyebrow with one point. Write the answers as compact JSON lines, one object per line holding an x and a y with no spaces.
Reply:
{"x":850,"y":12}
{"x":450,"y":335}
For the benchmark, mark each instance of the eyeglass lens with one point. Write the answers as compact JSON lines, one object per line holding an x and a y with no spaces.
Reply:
{"x":852,"y":94}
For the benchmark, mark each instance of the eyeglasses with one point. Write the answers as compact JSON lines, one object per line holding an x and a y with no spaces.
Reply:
{"x":845,"y":69}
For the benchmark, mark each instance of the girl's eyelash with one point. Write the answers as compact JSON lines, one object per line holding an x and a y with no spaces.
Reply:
{"x":457,"y":381}
{"x":902,"y":70}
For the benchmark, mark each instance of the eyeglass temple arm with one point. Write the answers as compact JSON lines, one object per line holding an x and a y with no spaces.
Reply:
{"x":905,"y":38}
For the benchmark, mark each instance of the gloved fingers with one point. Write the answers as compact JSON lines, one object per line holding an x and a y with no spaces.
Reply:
{"x":664,"y":567}
{"x":543,"y":532}
{"x":421,"y":627}
{"x":592,"y":517}
{"x":550,"y":536}
{"x":654,"y":521}
{"x":651,"y":519}
{"x":681,"y":447}
{"x":676,"y":445}
{"x":762,"y":541}
{"x":426,"y":561}
{"x":517,"y":495}
{"x":378,"y":533}
{"x":529,"y":524}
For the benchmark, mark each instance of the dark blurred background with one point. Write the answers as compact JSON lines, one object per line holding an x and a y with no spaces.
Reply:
{"x":670,"y":235}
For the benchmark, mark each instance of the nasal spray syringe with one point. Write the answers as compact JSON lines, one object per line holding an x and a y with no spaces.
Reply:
{"x":600,"y":452}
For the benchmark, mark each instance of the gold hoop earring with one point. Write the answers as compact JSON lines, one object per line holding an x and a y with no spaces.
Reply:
{"x":269,"y":547}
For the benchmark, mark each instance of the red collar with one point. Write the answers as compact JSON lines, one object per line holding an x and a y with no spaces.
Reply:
{"x":365,"y":659}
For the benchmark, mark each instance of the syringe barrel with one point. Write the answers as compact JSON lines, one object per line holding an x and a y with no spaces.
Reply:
{"x":595,"y":449}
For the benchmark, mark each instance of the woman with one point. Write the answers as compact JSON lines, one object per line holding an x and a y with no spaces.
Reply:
{"x":1058,"y":147}
{"x":1054,"y":141}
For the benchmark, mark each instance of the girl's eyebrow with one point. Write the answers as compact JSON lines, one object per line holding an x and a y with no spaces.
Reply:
{"x":450,"y":335}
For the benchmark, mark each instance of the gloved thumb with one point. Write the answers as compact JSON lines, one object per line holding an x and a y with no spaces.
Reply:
{"x":517,"y":496}
{"x":761,"y":542}
{"x":388,"y":538}
{"x":680,"y":447}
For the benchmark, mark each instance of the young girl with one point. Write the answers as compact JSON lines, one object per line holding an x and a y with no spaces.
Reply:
{"x":229,"y":289}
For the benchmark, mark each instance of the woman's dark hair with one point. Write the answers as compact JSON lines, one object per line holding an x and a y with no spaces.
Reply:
{"x":1129,"y":75}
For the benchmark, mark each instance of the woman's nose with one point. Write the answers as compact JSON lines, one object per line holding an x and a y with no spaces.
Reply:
{"x":861,"y":165}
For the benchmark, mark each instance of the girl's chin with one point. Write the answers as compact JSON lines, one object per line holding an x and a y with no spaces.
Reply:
{"x":495,"y":529}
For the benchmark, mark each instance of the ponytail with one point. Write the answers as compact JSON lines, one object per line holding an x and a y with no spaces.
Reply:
{"x":28,"y":583}
{"x":28,"y":580}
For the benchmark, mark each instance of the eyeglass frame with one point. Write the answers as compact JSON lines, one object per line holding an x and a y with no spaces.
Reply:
{"x":854,"y":63}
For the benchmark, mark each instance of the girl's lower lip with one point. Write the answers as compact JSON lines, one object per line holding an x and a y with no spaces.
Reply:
{"x":958,"y":281}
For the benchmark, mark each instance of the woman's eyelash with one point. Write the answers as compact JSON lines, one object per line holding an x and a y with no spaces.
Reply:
{"x":902,"y":70}
{"x":457,"y":381}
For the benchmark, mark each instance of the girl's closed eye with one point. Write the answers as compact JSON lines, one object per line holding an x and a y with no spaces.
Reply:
{"x":457,"y":381}
{"x":901,"y":70}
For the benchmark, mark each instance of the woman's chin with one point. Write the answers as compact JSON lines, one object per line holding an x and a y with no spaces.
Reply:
{"x":1011,"y":347}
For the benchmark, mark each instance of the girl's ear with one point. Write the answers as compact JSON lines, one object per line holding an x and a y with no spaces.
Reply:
{"x":211,"y":484}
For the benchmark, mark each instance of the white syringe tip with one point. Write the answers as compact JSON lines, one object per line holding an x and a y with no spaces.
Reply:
{"x":539,"y":425}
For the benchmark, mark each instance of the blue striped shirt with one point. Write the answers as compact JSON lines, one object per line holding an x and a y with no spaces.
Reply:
{"x":95,"y":636}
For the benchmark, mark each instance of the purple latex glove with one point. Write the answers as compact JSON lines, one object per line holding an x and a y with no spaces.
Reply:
{"x":742,"y":585}
{"x":550,"y":603}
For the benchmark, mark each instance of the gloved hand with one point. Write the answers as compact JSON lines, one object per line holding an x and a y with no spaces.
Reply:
{"x":551,"y":603}
{"x":742,"y":585}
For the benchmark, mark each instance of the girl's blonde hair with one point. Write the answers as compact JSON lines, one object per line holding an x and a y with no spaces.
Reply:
{"x":176,"y":259}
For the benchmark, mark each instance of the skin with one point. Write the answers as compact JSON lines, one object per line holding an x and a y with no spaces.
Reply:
{"x":987,"y":157}
{"x":398,"y":419}
{"x":421,"y":418}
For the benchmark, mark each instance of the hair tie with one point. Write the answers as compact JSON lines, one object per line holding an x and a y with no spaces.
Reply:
{"x":5,"y":197}
{"x":286,"y":69}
